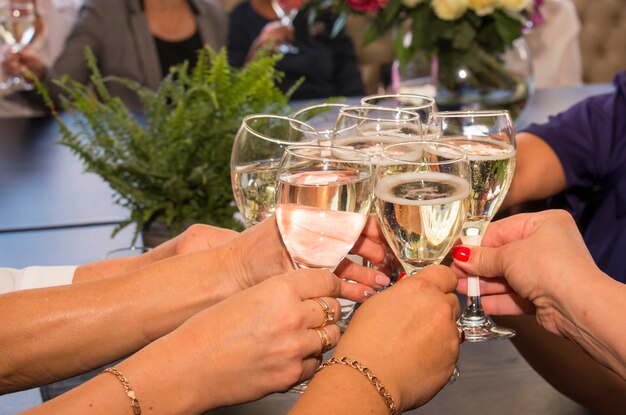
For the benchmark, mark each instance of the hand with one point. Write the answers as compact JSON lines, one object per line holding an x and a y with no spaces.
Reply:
{"x":16,"y":63}
{"x":407,"y":335}
{"x":256,"y":342}
{"x":538,"y":255}
{"x":273,"y":34}
{"x":259,"y":253}
{"x":373,"y":248}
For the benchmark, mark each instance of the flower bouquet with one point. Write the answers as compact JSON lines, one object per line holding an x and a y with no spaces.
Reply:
{"x":461,"y":42}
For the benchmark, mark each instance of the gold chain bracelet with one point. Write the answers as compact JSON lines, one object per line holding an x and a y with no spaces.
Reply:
{"x":382,"y":391}
{"x":134,"y":402}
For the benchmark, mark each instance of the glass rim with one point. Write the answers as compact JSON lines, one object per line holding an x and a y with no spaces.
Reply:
{"x":431,"y":100}
{"x":291,"y":120}
{"x":365,"y":157}
{"x":412,"y":115}
{"x":461,"y":156}
{"x":477,"y":113}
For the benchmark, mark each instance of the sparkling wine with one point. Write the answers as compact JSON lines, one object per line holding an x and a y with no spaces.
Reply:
{"x":492,"y":164}
{"x":254,"y":187}
{"x":321,"y":214}
{"x":17,"y":31}
{"x":421,"y":214}
{"x":372,"y":144}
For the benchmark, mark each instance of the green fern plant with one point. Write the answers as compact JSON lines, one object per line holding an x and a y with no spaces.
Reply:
{"x":171,"y":163}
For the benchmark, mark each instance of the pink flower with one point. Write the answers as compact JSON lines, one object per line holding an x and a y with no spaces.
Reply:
{"x":366,"y":5}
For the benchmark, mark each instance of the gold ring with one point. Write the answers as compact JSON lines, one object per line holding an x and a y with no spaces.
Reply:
{"x":461,"y":334}
{"x":329,"y":313}
{"x":326,"y":344}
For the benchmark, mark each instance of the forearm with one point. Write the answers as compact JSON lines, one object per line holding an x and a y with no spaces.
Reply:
{"x":591,"y":320}
{"x":57,"y":332}
{"x":340,"y":389}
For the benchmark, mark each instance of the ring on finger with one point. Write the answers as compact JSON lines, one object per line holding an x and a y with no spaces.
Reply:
{"x":325,"y":339}
{"x":329,"y":313}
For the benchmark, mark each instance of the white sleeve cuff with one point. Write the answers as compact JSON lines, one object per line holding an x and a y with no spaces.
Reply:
{"x":39,"y":277}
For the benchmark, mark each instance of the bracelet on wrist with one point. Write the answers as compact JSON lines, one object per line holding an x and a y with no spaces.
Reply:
{"x":380,"y":388}
{"x":130,"y":392}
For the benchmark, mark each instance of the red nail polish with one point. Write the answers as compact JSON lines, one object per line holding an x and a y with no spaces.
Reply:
{"x":402,"y":275}
{"x":461,"y":253}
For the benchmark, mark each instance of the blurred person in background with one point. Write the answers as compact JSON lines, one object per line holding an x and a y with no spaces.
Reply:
{"x":135,"y":39}
{"x":328,"y":64}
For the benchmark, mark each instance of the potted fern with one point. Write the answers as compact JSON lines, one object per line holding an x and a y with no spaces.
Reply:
{"x":169,"y":164}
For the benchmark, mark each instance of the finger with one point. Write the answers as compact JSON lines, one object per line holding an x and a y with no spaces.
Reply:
{"x":481,"y":261}
{"x":506,"y":304}
{"x":309,"y":365}
{"x":314,"y":342}
{"x":313,"y":282}
{"x":453,"y":300}
{"x":321,"y":311}
{"x":355,"y":292}
{"x":513,"y":228}
{"x":487,"y":287}
{"x":441,"y":277}
{"x":373,"y":251}
{"x":367,"y":276}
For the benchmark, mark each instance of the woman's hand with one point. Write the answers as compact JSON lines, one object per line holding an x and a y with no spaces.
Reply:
{"x":406,"y":335}
{"x":17,"y":63}
{"x":259,"y":341}
{"x":259,"y":253}
{"x":526,"y":260}
{"x":273,"y":34}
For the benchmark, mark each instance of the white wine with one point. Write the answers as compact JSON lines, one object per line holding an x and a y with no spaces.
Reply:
{"x":321,"y":214}
{"x":492,"y":164}
{"x":421,"y":214}
{"x":18,"y":31}
{"x":372,"y":144}
{"x":254,"y":188}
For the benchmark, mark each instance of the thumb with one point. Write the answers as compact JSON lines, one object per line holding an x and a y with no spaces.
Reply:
{"x":480,"y":261}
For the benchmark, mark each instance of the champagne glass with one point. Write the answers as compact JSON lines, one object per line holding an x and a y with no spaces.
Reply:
{"x":17,"y":29}
{"x":421,"y":200}
{"x":488,"y":137}
{"x":322,"y":117}
{"x":287,"y":10}
{"x":420,"y":104}
{"x":323,"y":199}
{"x":257,"y":150}
{"x":369,"y":128}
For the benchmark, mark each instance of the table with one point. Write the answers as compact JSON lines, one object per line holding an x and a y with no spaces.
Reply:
{"x":52,"y":213}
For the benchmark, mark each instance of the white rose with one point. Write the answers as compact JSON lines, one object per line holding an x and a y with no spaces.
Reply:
{"x":514,"y":5}
{"x":411,"y":3}
{"x":449,"y":9}
{"x":481,"y":7}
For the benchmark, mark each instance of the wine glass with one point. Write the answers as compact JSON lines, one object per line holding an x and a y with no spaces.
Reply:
{"x":420,"y":104}
{"x":257,"y":150}
{"x":369,"y":128}
{"x":421,"y":200}
{"x":323,"y":199}
{"x":488,"y":137}
{"x":287,"y":10}
{"x":322,"y":117}
{"x":17,"y":29}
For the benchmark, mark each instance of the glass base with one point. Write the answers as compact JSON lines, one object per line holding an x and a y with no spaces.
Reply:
{"x":300,"y":387}
{"x":478,"y":330}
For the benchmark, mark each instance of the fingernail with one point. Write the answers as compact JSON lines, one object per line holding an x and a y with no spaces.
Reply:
{"x":368,"y":293}
{"x":382,"y":280}
{"x":402,"y":275}
{"x":461,"y":253}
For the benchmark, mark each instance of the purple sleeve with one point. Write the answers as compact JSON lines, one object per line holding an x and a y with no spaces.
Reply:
{"x":581,"y":137}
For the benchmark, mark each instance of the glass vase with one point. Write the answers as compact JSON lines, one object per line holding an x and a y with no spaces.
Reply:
{"x":472,"y":80}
